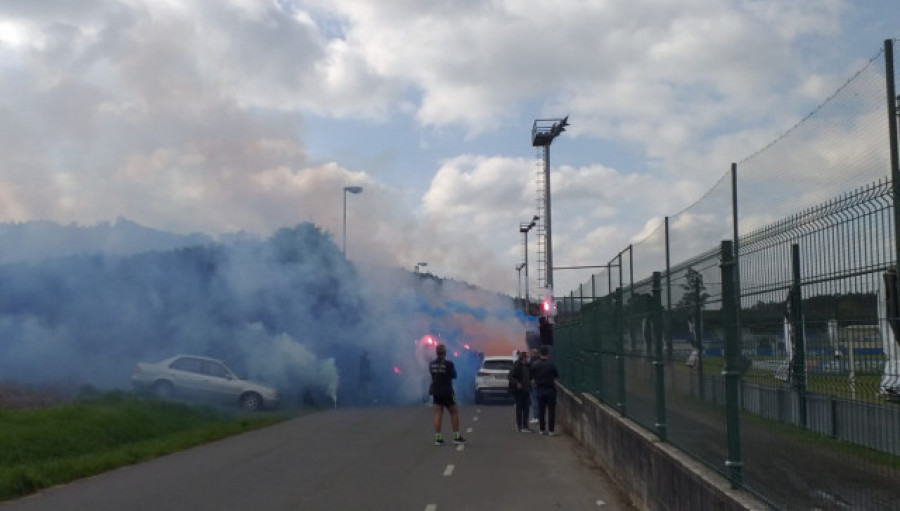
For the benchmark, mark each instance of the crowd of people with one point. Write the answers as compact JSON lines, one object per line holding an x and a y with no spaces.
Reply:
{"x":532,"y":383}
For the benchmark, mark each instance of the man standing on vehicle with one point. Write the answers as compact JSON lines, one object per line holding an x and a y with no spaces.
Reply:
{"x":443,"y":372}
{"x":545,"y":374}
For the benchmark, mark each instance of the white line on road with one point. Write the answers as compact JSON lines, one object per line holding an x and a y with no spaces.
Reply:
{"x":469,"y":430}
{"x":460,"y":447}
{"x":431,"y":507}
{"x":448,"y":471}
{"x":475,"y":418}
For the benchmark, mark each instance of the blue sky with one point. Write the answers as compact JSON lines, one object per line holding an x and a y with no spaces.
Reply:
{"x":214,"y":117}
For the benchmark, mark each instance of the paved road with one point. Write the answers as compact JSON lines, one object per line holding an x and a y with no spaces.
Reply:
{"x":354,"y":459}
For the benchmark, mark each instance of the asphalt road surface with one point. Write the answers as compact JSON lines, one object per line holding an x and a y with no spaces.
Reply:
{"x":355,"y":459}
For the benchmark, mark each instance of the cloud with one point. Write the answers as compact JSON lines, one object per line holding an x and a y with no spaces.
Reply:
{"x":198,"y":116}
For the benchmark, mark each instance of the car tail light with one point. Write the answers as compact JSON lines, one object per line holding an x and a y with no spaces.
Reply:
{"x":483,"y":373}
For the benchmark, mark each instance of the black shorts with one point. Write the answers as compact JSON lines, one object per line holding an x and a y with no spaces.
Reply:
{"x":445,"y":400}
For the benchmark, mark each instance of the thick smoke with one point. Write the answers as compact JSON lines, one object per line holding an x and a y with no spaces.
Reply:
{"x":290,"y":311}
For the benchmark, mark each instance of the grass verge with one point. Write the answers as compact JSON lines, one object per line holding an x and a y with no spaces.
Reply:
{"x":43,"y":447}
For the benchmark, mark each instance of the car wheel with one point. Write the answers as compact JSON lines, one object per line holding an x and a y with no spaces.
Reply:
{"x":163,"y":389}
{"x":251,"y":401}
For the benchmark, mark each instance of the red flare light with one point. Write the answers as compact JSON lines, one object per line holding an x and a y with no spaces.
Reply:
{"x":396,"y":370}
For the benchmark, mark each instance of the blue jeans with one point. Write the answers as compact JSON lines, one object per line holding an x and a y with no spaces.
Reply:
{"x":523,"y":401}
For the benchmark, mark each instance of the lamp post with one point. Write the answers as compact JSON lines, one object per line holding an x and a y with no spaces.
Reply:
{"x":354,"y":190}
{"x":542,"y":134}
{"x":524,"y":228}
{"x":416,"y":269}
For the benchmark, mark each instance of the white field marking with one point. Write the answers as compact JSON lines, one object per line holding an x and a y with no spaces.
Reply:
{"x":448,"y":471}
{"x":431,"y":507}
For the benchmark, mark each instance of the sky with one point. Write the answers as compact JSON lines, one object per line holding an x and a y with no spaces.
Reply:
{"x":247,"y":115}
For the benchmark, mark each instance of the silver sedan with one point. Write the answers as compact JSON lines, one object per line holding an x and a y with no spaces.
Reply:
{"x":201,"y":378}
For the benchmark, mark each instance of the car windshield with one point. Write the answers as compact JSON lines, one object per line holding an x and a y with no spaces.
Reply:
{"x":498,"y":365}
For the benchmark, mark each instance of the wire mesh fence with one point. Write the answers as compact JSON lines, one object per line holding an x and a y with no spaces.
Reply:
{"x":776,"y":360}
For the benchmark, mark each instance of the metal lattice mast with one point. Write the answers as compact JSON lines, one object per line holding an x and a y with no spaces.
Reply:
{"x":542,"y":134}
{"x":541,"y":213}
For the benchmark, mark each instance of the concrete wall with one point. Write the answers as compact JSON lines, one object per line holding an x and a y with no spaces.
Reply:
{"x":655,"y":474}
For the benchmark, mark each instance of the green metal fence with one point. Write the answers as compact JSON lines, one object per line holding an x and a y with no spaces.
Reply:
{"x":773,"y":356}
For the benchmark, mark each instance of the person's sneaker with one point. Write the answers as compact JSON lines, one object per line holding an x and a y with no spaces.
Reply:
{"x":459,"y":440}
{"x":526,"y":430}
{"x":438,"y":441}
{"x":543,"y":432}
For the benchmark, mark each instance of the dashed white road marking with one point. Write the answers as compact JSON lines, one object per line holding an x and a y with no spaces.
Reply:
{"x":475,"y":418}
{"x":448,"y":471}
{"x":601,"y":503}
{"x":469,"y":430}
{"x":460,"y":447}
{"x":431,"y":507}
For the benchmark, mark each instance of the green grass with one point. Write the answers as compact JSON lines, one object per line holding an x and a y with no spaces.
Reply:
{"x":48,"y":446}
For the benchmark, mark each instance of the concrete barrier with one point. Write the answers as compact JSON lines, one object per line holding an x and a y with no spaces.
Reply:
{"x":655,"y":474}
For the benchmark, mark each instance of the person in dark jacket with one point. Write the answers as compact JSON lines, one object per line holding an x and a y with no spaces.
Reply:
{"x":545,"y":374}
{"x":520,"y":386}
{"x":443,"y":372}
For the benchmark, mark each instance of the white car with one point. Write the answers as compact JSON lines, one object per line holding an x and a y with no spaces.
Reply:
{"x":201,"y":378}
{"x":492,"y":379}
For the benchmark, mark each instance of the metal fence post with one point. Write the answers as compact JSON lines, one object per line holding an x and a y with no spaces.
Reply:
{"x":620,"y":355}
{"x":732,"y":369}
{"x":892,"y":141}
{"x":658,"y":361}
{"x":798,"y":372}
{"x":668,"y":323}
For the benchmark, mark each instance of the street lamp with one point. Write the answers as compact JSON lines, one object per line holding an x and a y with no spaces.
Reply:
{"x":418,"y":265}
{"x":542,"y":134}
{"x":524,"y":228}
{"x":354,"y":190}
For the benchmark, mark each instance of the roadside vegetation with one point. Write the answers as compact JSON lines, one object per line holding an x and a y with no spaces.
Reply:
{"x":42,"y":447}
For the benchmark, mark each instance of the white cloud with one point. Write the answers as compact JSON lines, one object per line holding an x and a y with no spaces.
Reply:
{"x":196,"y":116}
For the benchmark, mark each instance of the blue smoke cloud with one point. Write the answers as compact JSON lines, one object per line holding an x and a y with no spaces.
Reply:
{"x":289,"y":310}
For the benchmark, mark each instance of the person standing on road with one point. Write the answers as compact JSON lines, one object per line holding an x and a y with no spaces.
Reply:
{"x":520,"y":384}
{"x":533,"y":356}
{"x":545,"y":375}
{"x":443,"y":372}
{"x":365,"y":379}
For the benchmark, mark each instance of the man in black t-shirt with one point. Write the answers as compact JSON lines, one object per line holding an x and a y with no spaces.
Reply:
{"x":443,"y":372}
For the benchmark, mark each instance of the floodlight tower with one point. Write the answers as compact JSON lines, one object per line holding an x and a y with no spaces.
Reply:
{"x":542,"y":134}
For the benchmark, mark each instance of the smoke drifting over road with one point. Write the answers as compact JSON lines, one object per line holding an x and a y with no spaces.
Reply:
{"x":80,"y":306}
